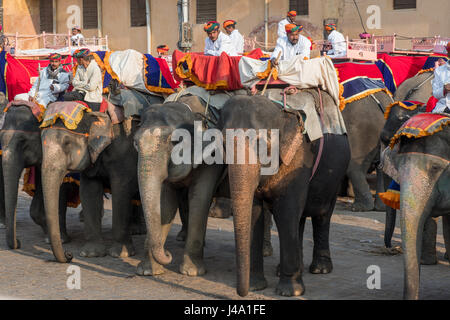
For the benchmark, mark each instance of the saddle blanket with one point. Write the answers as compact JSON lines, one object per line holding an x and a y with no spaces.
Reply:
{"x":421,"y":125}
{"x":70,"y":112}
{"x":37,"y":109}
{"x":408,"y":105}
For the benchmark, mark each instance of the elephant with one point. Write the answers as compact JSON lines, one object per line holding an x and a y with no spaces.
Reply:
{"x":292,"y":193}
{"x":364,"y":121}
{"x":421,"y":166}
{"x":104,"y":155}
{"x":21,"y":148}
{"x":166,"y":186}
{"x":417,"y":88}
{"x":396,"y":116}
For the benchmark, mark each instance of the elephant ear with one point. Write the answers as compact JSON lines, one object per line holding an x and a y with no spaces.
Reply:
{"x":291,"y":138}
{"x":100,"y":134}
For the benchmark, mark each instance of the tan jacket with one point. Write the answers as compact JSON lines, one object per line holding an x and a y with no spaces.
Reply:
{"x":90,"y":81}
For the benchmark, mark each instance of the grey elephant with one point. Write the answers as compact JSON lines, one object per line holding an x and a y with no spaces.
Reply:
{"x":364,"y":120}
{"x":21,"y":148}
{"x":421,"y":167}
{"x":104,"y":154}
{"x":397,"y":115}
{"x":292,"y":192}
{"x":166,"y":185}
{"x":417,"y":88}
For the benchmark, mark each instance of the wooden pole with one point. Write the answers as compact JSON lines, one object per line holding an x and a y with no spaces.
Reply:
{"x":270,"y":74}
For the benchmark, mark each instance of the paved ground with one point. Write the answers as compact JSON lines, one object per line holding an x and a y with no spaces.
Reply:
{"x":356,"y":243}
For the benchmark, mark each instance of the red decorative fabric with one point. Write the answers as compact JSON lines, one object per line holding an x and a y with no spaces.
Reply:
{"x":432,"y":102}
{"x":349,"y":70}
{"x":403,"y":67}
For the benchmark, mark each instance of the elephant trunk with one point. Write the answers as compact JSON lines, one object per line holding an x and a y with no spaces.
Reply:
{"x":53,"y":172}
{"x":13,"y":166}
{"x":243,"y":182}
{"x":415,"y":206}
{"x":152,"y":171}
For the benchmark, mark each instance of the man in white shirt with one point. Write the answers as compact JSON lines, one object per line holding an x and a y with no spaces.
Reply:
{"x":52,"y":81}
{"x":290,"y":19}
{"x":293,"y":44}
{"x":87,"y":82}
{"x":77,"y":38}
{"x":217,"y":42}
{"x":237,"y":40}
{"x":337,"y":41}
{"x":441,"y":85}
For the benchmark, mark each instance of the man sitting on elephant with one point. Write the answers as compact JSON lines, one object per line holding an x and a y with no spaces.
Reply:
{"x":293,"y":44}
{"x":441,"y":85}
{"x":87,"y":82}
{"x":52,"y":81}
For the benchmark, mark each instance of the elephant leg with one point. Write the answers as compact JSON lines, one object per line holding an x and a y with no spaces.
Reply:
{"x":201,"y":191}
{"x":446,"y":231}
{"x":63,"y":197}
{"x":137,"y":223}
{"x":428,"y":256}
{"x":287,"y":211}
{"x":121,"y":215}
{"x":321,"y":231}
{"x":257,"y":279}
{"x":37,"y":211}
{"x":389,"y":228}
{"x":363,"y":197}
{"x":169,"y":205}
{"x":383,"y":182}
{"x":267,"y":249}
{"x":2,"y":199}
{"x":91,"y":194}
{"x":183,"y":205}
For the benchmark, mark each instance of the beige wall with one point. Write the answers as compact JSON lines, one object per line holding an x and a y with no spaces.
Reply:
{"x":429,"y":19}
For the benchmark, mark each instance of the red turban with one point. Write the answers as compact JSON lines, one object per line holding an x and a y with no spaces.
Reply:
{"x":162,"y":48}
{"x":55,"y":56}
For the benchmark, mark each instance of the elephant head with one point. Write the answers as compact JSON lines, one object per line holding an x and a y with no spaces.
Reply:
{"x":424,"y":177}
{"x":417,"y":88}
{"x":21,"y":147}
{"x":69,"y":150}
{"x":153,"y":141}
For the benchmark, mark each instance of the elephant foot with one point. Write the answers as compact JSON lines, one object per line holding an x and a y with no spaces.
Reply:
{"x":288,"y":287}
{"x":358,"y":206}
{"x":321,"y":265}
{"x":93,"y":249}
{"x":221,"y":208}
{"x":121,"y":250}
{"x":146,"y":268}
{"x":428,"y":259}
{"x":192,"y":267}
{"x":267,"y":249}
{"x":64,"y":238}
{"x":181,"y":236}
{"x":257,"y":282}
{"x":138,"y":228}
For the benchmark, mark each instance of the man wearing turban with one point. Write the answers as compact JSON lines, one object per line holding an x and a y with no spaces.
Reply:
{"x":217,"y":42}
{"x":290,"y":19}
{"x":87,"y":82}
{"x":291,"y":45}
{"x":237,"y":40}
{"x":52,"y":81}
{"x":77,"y":38}
{"x":441,"y":84}
{"x":337,"y":41}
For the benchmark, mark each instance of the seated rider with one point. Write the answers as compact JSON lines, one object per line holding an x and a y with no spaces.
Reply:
{"x":441,"y":84}
{"x":291,"y":45}
{"x":337,"y":41}
{"x":87,"y":82}
{"x":52,"y":81}
{"x":217,"y":42}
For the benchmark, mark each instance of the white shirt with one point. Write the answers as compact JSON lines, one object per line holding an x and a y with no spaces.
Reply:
{"x":237,"y":41}
{"x":441,"y":77}
{"x":288,"y":51}
{"x":281,"y":27}
{"x":339,"y":46}
{"x":77,"y":40}
{"x":45,"y":95}
{"x":90,"y":81}
{"x":222,"y":44}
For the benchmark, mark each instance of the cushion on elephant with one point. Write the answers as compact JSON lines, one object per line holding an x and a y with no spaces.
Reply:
{"x":408,"y":105}
{"x":421,"y":125}
{"x":70,"y":112}
{"x":37,"y":109}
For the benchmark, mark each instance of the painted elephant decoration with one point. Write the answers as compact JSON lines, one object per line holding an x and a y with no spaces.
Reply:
{"x":292,"y":193}
{"x":420,"y":164}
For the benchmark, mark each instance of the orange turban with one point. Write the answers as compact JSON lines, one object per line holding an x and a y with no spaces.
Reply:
{"x":330,"y":26}
{"x":291,"y":28}
{"x":229,"y":23}
{"x":292,"y":14}
{"x":211,"y":26}
{"x":162,"y":48}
